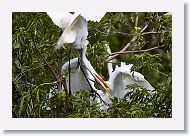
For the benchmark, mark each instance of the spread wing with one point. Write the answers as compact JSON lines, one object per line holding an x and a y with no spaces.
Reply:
{"x":77,"y":27}
{"x":61,"y":19}
{"x":122,"y":76}
{"x":93,"y":16}
{"x":74,"y":26}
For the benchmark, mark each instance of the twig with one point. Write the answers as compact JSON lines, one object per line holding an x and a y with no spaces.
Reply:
{"x":125,"y":48}
{"x":66,"y":94}
{"x":37,"y":86}
{"x":70,"y":71}
{"x":30,"y":87}
{"x":113,"y":33}
{"x":136,"y":19}
{"x":53,"y":72}
{"x":151,"y":33}
{"x":161,"y":73}
{"x":129,"y":44}
{"x":144,"y":28}
{"x":138,"y":51}
{"x":59,"y":86}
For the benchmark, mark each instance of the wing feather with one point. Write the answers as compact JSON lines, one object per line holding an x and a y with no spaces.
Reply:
{"x":61,"y":19}
{"x":93,"y":16}
{"x":122,"y":76}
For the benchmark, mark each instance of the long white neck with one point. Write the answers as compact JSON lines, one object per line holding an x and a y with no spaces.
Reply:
{"x":83,"y":50}
{"x":109,"y":65}
{"x":83,"y":54}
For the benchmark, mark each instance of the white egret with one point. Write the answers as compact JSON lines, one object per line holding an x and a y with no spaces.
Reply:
{"x":74,"y":27}
{"x":118,"y":81}
{"x":75,"y":32}
{"x":61,"y":19}
{"x":123,"y":76}
{"x":109,"y":64}
{"x":83,"y":75}
{"x":116,"y":85}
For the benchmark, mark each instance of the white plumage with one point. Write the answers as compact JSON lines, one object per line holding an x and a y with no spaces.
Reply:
{"x":109,"y":64}
{"x":121,"y":77}
{"x":78,"y":80}
{"x":74,"y":27}
{"x":75,"y":33}
{"x":61,"y":19}
{"x":117,"y":83}
{"x":93,"y":16}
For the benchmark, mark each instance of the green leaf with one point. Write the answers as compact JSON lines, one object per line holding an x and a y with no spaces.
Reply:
{"x":21,"y":105}
{"x":16,"y":45}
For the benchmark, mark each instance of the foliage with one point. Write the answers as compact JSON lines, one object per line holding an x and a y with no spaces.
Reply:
{"x":36,"y":66}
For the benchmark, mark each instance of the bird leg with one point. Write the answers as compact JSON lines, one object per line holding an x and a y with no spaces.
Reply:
{"x":69,"y":72}
{"x":81,"y":67}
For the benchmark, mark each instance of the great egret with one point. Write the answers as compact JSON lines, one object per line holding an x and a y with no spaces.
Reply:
{"x":123,"y":76}
{"x":109,"y":64}
{"x":83,"y":75}
{"x":118,"y":81}
{"x":116,"y":85}
{"x":74,"y":26}
{"x":61,"y":19}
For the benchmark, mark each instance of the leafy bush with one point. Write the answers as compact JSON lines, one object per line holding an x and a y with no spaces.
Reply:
{"x":36,"y":66}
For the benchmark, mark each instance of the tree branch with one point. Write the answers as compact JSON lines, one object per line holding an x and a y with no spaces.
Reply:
{"x":59,"y":86}
{"x":37,"y":86}
{"x":66,"y":94}
{"x":127,"y":46}
{"x":53,"y":72}
{"x":136,"y":19}
{"x":137,"y":51}
{"x":151,"y":33}
{"x":113,"y":33}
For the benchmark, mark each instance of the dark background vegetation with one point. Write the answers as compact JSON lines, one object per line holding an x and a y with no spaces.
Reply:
{"x":36,"y":65}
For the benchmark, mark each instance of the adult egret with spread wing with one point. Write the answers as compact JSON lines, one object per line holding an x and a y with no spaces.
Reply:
{"x":74,"y":27}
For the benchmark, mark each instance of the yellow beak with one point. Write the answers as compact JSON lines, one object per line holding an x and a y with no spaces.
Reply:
{"x":104,"y":84}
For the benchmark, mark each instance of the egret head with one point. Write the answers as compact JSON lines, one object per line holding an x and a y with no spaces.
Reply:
{"x":103,"y":85}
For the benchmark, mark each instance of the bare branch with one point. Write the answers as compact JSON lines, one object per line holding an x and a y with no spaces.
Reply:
{"x":113,"y":33}
{"x":137,"y":51}
{"x":161,"y":73}
{"x":144,"y":28}
{"x":136,"y":19}
{"x":127,"y":46}
{"x":151,"y":33}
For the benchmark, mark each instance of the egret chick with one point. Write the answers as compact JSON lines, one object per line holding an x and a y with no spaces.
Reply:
{"x":83,"y":74}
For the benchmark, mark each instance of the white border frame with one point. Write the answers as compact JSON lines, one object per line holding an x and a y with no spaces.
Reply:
{"x":174,"y":123}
